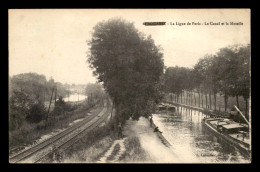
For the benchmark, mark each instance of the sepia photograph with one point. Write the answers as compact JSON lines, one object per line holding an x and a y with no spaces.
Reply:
{"x":129,"y":86}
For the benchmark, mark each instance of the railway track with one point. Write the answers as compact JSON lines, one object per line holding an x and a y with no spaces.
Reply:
{"x":62,"y":140}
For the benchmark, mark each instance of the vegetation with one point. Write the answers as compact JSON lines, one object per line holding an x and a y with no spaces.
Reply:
{"x":29,"y":132}
{"x":134,"y":152}
{"x":226,"y":73}
{"x":36,"y":86}
{"x":91,"y":147}
{"x":129,"y":65}
{"x":29,"y":114}
{"x":37,"y":112}
{"x":95,"y":93}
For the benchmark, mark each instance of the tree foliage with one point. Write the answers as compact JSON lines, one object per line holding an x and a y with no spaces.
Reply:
{"x":36,"y":113}
{"x":94,"y":90}
{"x":60,"y":107}
{"x":19,"y":104}
{"x":36,"y":86}
{"x":177,"y":79}
{"x":226,"y":73}
{"x":27,"y":93}
{"x":129,"y":64}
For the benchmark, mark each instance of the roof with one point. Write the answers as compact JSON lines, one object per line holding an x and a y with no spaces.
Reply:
{"x":218,"y":122}
{"x":231,"y":126}
{"x":222,"y":123}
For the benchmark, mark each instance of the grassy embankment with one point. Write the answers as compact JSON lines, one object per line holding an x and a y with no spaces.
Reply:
{"x":94,"y":145}
{"x":134,"y":152}
{"x":30,"y":132}
{"x":90,"y":147}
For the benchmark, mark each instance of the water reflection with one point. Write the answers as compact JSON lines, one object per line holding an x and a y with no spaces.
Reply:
{"x":75,"y":97}
{"x":192,"y":141}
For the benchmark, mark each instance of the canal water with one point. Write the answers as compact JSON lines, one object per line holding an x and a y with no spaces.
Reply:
{"x":191,"y":141}
{"x":72,"y":98}
{"x":75,"y":97}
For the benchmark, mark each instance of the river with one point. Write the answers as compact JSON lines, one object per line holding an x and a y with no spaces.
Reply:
{"x":192,"y":142}
{"x":75,"y":97}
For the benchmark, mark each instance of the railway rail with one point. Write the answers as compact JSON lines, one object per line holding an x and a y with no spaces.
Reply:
{"x":62,"y":140}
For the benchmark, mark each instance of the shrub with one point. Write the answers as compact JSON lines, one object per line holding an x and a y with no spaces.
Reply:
{"x":18,"y":108}
{"x":37,"y":112}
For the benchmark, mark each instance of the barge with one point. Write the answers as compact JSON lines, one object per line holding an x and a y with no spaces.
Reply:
{"x":166,"y":107}
{"x":233,"y":133}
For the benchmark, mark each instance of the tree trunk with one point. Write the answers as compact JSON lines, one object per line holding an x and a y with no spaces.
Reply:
{"x":50,"y":103}
{"x":247,"y":116}
{"x":191,"y":98}
{"x":215,"y":100}
{"x":187,"y":96}
{"x":194,"y":98}
{"x":202,"y":99}
{"x":225,"y":100}
{"x":181,"y":96}
{"x":210,"y":99}
{"x":199,"y":98}
{"x":55,"y":101}
{"x":237,"y":101}
{"x":112,"y":111}
{"x":206,"y":100}
{"x":55,"y":97}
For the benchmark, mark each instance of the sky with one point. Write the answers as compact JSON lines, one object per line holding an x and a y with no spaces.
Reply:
{"x":52,"y":42}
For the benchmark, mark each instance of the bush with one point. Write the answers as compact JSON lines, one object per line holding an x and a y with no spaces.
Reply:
{"x":37,"y":112}
{"x":58,"y":110}
{"x":18,"y":108}
{"x":41,"y":125}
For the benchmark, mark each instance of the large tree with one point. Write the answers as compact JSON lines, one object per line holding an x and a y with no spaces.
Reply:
{"x":235,"y":70}
{"x":178,"y":79}
{"x":205,"y":77}
{"x":130,"y":66}
{"x":36,"y":86}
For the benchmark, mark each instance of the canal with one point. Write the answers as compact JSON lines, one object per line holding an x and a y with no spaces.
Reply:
{"x":75,"y":97}
{"x":191,"y":141}
{"x":71,"y":98}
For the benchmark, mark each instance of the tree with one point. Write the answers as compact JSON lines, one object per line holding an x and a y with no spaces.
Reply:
{"x":232,"y":68}
{"x":244,"y":79}
{"x":37,"y":112}
{"x":60,"y":107}
{"x":178,"y":79}
{"x":36,"y":86}
{"x":238,"y":57}
{"x":95,"y":92}
{"x":19,"y":104}
{"x":130,"y":66}
{"x":206,"y":77}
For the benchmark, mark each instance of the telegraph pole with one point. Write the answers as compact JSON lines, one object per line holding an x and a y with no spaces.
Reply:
{"x":50,"y":103}
{"x":78,"y":97}
{"x":68,"y":94}
{"x":55,"y":96}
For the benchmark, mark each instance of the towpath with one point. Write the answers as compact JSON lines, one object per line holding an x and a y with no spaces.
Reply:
{"x":153,"y":143}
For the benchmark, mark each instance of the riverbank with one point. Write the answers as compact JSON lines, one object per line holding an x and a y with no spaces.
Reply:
{"x":156,"y":147}
{"x":140,"y":144}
